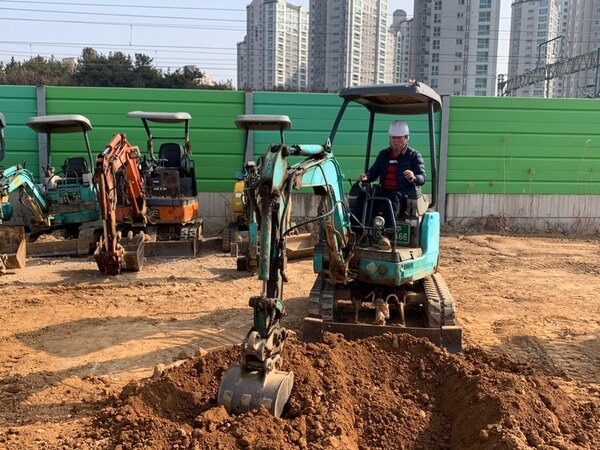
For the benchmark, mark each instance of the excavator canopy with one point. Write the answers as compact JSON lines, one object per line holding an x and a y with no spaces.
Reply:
{"x":160,"y":117}
{"x":60,"y":123}
{"x":412,"y":98}
{"x":263,"y":122}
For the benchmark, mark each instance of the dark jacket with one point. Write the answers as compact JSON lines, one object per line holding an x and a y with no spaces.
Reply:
{"x":411,"y":159}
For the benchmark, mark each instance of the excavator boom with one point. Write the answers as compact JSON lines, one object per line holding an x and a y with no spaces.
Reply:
{"x":114,"y":252}
{"x":31,"y":195}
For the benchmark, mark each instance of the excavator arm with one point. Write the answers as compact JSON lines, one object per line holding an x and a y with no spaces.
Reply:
{"x":113,"y":252}
{"x":258,"y":379}
{"x":31,"y":195}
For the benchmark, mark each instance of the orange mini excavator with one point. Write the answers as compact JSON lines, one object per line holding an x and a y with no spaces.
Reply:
{"x":117,"y":164}
{"x":174,"y":227}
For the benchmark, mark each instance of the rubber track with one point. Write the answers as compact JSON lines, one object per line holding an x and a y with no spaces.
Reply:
{"x":226,"y":243}
{"x":441,"y":307}
{"x":321,"y":299}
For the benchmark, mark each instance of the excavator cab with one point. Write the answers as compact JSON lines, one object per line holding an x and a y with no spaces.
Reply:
{"x":174,"y":226}
{"x":75,"y":170}
{"x":401,"y":220}
{"x":241,"y":236}
{"x":73,"y":202}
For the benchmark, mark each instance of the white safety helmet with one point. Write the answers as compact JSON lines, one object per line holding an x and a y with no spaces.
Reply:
{"x":398,"y":128}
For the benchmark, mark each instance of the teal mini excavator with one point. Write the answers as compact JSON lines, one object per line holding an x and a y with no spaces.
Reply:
{"x":373,"y":277}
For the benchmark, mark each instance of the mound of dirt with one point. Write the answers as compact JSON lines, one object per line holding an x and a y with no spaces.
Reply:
{"x":387,"y":392}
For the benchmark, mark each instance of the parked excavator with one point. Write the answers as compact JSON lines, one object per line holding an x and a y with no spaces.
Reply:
{"x":366,"y":285}
{"x":241,"y":237}
{"x":73,"y":202}
{"x":173,"y":227}
{"x":13,"y":243}
{"x":114,"y":252}
{"x":12,"y":238}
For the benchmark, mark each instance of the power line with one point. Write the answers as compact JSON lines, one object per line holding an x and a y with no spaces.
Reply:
{"x":87,"y":5}
{"x":120,"y":24}
{"x":145,"y":16}
{"x":190,"y":48}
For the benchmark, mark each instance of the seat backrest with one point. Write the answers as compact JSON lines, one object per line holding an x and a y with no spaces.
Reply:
{"x":171,"y":153}
{"x":75,"y":167}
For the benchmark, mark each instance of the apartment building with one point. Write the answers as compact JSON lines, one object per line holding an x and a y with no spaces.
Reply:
{"x":348,"y":44}
{"x":274,"y":52}
{"x":535,"y":41}
{"x":399,"y":43}
{"x":583,"y":37}
{"x":454,"y":45}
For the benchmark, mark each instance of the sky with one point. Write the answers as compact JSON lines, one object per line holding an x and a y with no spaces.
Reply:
{"x":194,"y":32}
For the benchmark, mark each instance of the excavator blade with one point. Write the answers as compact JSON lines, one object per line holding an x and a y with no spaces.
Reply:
{"x":48,"y":245}
{"x":242,"y":391}
{"x":171,"y":249}
{"x":446,"y":337}
{"x":186,"y":246}
{"x":67,"y":247}
{"x":13,"y":246}
{"x":299,"y":245}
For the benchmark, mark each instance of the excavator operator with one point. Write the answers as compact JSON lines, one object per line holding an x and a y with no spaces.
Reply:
{"x":400,"y":169}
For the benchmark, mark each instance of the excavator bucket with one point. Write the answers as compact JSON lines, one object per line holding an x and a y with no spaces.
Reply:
{"x":299,"y":245}
{"x":12,"y":247}
{"x":133,"y":256}
{"x":129,"y":255}
{"x":242,"y":391}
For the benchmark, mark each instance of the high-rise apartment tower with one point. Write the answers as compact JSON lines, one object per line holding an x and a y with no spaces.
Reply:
{"x":348,"y":44}
{"x":274,"y":52}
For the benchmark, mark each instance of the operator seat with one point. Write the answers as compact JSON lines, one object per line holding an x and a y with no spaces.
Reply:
{"x":74,"y":169}
{"x":172,"y":154}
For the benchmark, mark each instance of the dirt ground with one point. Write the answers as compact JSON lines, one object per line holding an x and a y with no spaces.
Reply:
{"x":89,"y":361}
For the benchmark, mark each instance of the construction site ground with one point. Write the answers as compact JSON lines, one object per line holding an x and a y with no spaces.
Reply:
{"x":89,"y":361}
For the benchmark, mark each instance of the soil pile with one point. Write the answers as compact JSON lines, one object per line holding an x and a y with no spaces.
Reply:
{"x":380,"y":393}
